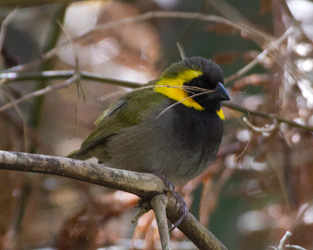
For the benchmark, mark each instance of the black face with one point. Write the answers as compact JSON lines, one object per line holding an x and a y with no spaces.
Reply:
{"x":212,"y":76}
{"x":205,"y":84}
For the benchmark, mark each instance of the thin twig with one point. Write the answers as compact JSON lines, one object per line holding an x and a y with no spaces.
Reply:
{"x":63,"y":74}
{"x":283,"y":245}
{"x":268,"y":116}
{"x":7,"y":94}
{"x":139,"y":18}
{"x":158,"y":204}
{"x":283,"y":240}
{"x":181,"y":50}
{"x":206,"y":91}
{"x":250,"y":119}
{"x":76,"y":61}
{"x":268,"y":128}
{"x":295,"y":247}
{"x":80,"y":91}
{"x":269,"y":48}
{"x":3,"y":32}
{"x":39,"y":93}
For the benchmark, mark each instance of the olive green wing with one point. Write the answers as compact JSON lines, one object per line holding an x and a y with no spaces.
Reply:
{"x":123,"y":113}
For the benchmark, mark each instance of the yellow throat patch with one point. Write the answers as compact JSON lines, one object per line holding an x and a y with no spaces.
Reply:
{"x":173,"y":88}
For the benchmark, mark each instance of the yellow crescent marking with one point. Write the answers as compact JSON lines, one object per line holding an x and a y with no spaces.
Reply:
{"x":173,"y":88}
{"x":220,"y":114}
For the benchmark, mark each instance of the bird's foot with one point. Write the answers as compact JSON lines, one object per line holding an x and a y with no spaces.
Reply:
{"x":179,"y":200}
{"x":144,"y":206}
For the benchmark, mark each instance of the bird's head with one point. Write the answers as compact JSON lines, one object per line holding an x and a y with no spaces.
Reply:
{"x":196,"y":82}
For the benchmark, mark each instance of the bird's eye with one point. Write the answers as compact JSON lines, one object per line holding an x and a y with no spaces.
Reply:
{"x":196,"y":82}
{"x":200,"y":84}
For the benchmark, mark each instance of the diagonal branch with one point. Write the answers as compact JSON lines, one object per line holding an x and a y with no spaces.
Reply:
{"x":40,"y":92}
{"x":271,"y":46}
{"x":142,"y":184}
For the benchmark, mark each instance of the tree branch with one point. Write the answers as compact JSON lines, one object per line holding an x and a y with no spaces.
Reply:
{"x":64,"y":74}
{"x":158,"y":204}
{"x":142,"y":184}
{"x":40,"y":92}
{"x":193,"y":229}
{"x":258,"y":36}
{"x":267,"y":116}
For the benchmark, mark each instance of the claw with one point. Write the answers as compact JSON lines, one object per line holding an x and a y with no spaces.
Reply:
{"x":183,"y":207}
{"x":179,"y":199}
{"x":144,"y":208}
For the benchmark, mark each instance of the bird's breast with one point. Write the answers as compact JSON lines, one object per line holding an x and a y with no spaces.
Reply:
{"x":178,"y":143}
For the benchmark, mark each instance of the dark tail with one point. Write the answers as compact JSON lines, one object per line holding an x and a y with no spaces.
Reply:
{"x":77,"y":155}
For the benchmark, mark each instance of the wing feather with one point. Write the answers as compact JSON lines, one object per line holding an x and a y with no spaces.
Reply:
{"x":124,"y":113}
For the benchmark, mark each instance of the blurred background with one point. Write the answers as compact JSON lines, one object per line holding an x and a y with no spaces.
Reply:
{"x":261,"y":184}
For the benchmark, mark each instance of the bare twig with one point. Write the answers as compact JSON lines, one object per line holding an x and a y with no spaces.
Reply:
{"x":142,"y":184}
{"x":4,"y":27}
{"x":55,"y":74}
{"x":268,"y":128}
{"x":181,"y":51}
{"x":8,"y":95}
{"x":63,"y":74}
{"x":39,"y":93}
{"x":283,"y":245}
{"x":283,"y":240}
{"x":158,"y":204}
{"x":211,"y":196}
{"x":269,"y":48}
{"x":294,"y":247}
{"x":258,"y":36}
{"x":268,"y":116}
{"x":245,"y":119}
{"x":76,"y":60}
{"x":80,"y":92}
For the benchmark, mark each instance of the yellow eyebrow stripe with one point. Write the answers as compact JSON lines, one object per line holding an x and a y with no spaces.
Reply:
{"x":172,"y":87}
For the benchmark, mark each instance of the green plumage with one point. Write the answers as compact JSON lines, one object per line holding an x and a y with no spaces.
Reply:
{"x":180,"y":143}
{"x":121,"y":114}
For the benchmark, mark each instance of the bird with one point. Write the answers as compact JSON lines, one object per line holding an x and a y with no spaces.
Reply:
{"x":171,"y":126}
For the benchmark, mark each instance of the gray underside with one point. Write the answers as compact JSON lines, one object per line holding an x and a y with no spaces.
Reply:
{"x":178,"y":146}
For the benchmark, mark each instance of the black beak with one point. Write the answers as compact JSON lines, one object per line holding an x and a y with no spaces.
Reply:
{"x":219,"y":93}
